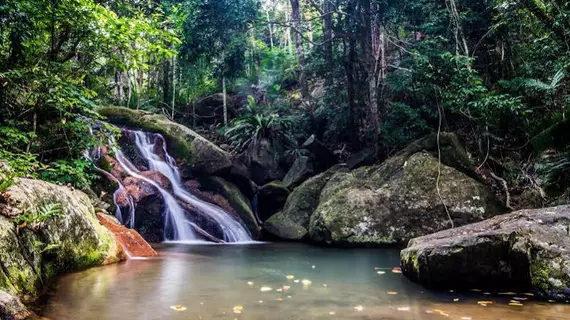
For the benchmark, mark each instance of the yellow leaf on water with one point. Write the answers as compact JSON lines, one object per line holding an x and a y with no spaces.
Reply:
{"x":296,"y":280}
{"x":290,"y":277}
{"x":520,"y":298}
{"x":237,"y":309}
{"x":515,"y":304}
{"x":314,"y":267}
{"x":306,"y":282}
{"x":359,"y":308}
{"x":404,"y":309}
{"x":178,"y":308}
{"x":392,"y":293}
{"x":286,"y":288}
{"x":396,"y":270}
{"x":265,"y":289}
{"x":381,"y":272}
{"x":456,"y":299}
{"x":279,"y":290}
{"x":260,"y":301}
{"x":332,"y":313}
{"x":250,"y":283}
{"x":507,"y":293}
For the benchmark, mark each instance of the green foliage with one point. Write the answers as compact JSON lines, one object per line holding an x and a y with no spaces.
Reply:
{"x":77,"y":173}
{"x":250,"y":130}
{"x":43,"y":213}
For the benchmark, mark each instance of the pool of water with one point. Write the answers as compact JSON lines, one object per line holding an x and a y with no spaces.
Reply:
{"x":251,"y":282}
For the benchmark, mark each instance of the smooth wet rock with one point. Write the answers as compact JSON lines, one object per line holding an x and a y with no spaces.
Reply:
{"x":527,"y":249}
{"x":398,"y":200}
{"x":194,"y":151}
{"x":132,"y":243}
{"x":271,"y":198}
{"x":292,"y":223}
{"x":210,"y":109}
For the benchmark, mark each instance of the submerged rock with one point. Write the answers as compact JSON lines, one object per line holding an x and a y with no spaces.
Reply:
{"x":57,"y":232}
{"x":11,"y":308}
{"x":527,"y":249}
{"x":292,"y":223}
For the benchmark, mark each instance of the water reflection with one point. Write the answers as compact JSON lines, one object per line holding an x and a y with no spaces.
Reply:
{"x":225,"y":282}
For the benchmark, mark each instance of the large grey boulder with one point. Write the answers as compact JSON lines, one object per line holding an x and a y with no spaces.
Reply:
{"x":527,"y":249}
{"x":399,"y":200}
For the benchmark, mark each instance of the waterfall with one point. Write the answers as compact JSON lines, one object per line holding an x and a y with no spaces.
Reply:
{"x":232,"y":229}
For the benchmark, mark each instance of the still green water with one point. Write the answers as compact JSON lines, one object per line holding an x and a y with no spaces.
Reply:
{"x":250,"y":282}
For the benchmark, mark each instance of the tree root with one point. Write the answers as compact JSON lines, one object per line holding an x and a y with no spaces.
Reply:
{"x":505,"y":188}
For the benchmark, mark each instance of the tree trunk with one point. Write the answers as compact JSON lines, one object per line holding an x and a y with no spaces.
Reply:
{"x":270,"y":29}
{"x":166,"y":83}
{"x":139,"y":88}
{"x":225,"y":101}
{"x":296,"y":21}
{"x":370,"y":48}
{"x":173,"y":85}
{"x":328,"y":48}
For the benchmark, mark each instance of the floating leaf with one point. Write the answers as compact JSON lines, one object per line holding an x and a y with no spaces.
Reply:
{"x":265,"y":289}
{"x":237,"y":309}
{"x":250,"y":283}
{"x":306,"y":282}
{"x":178,"y":308}
{"x":392,"y":293}
{"x":404,"y":309}
{"x":290,"y":277}
{"x":515,"y":304}
{"x":359,"y":308}
{"x":286,"y":288}
{"x":396,"y":270}
{"x":381,"y":272}
{"x":314,"y":267}
{"x":332,"y":313}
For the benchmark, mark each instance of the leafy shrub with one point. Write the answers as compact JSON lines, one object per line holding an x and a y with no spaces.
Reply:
{"x":42,"y":214}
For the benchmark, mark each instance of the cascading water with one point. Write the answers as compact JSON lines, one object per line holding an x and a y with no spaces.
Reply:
{"x":146,"y":143}
{"x":182,"y":228}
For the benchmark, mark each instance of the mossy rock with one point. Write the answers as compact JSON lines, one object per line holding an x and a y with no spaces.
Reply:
{"x":68,"y":240}
{"x":397,"y":201}
{"x":236,"y":199}
{"x":524,"y":250}
{"x":199,"y":154}
{"x":292,"y":223}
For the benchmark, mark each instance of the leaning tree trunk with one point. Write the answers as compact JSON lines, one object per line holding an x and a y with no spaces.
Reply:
{"x":328,"y":47}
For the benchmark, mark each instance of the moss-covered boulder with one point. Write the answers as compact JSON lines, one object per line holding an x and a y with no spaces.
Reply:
{"x":292,"y":223}
{"x":397,"y":201}
{"x":51,"y":230}
{"x":524,"y":250}
{"x":199,"y":154}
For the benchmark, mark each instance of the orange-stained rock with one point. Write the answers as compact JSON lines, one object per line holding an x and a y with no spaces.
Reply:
{"x":130,"y":240}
